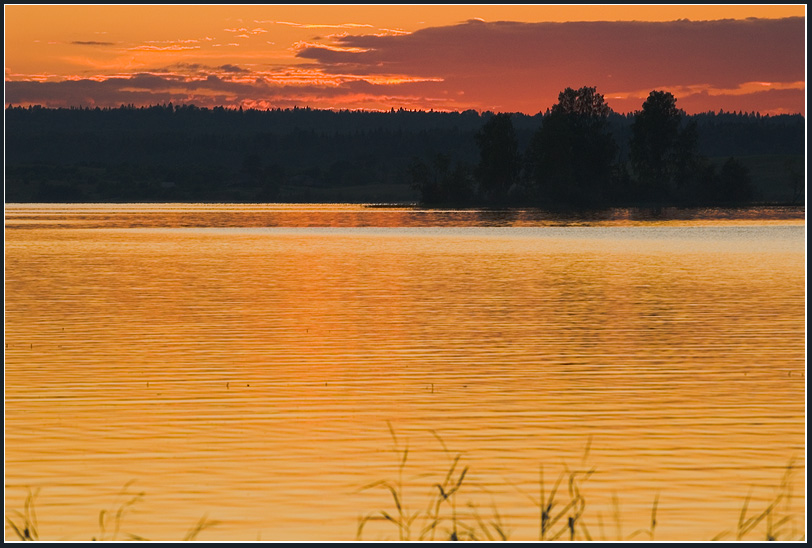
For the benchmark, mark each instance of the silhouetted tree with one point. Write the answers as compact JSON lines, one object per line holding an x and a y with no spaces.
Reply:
{"x":665,"y":157}
{"x":734,"y":183}
{"x":663,"y":154}
{"x":586,"y":104}
{"x":498,"y":167}
{"x":423,"y":181}
{"x":438,"y":183}
{"x":692,"y":177}
{"x":571,"y":156}
{"x":796,"y":180}
{"x":655,"y":131}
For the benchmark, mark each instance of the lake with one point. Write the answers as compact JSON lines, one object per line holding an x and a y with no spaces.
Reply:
{"x":244,"y":364}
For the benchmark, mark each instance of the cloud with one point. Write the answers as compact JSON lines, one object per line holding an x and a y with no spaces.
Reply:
{"x":172,"y":47}
{"x":148,"y":89}
{"x":304,"y":45}
{"x":319,"y":26}
{"x":91,"y":43}
{"x":191,"y":70}
{"x":532,"y":62}
{"x":245,"y":31}
{"x":233,"y":68}
{"x":501,"y":66}
{"x":720,"y":52}
{"x":771,"y":101}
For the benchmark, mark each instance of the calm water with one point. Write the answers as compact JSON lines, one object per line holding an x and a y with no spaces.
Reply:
{"x":242,"y":363}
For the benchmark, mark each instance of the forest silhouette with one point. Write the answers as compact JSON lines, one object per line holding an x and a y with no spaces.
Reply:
{"x":577,"y":154}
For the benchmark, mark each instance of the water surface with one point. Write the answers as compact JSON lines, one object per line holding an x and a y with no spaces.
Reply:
{"x":242,"y":362}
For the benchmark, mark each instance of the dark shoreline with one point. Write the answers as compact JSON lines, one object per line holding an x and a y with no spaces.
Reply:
{"x":443,"y":206}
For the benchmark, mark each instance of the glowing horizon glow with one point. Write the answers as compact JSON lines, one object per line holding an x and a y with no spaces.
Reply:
{"x":377,"y":57}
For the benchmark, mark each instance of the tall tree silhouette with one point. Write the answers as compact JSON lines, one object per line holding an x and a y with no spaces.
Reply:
{"x":498,"y":167}
{"x":665,"y":158}
{"x":571,"y":155}
{"x":657,"y":143}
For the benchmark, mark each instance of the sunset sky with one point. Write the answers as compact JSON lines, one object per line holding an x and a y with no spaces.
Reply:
{"x":453,"y":57}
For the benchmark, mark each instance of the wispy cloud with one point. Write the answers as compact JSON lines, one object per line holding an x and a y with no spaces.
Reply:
{"x":247,"y":31}
{"x":171,"y":47}
{"x":225,"y":85}
{"x":200,"y":68}
{"x":303,"y":45}
{"x":233,"y":68}
{"x":92,"y":43}
{"x":319,"y":26}
{"x":179,"y":41}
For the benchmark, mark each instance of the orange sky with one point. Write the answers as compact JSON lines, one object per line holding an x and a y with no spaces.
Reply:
{"x":453,"y":57}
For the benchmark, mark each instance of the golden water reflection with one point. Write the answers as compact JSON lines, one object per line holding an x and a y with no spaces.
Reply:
{"x":382,"y":215}
{"x":248,"y":373}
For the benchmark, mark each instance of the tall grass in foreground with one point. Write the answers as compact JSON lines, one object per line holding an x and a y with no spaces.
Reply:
{"x":779,"y":523}
{"x":25,"y":527}
{"x":561,"y":510}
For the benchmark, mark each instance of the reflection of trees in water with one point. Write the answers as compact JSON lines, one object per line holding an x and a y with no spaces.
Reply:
{"x":497,"y":217}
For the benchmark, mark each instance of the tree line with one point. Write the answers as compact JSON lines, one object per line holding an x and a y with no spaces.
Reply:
{"x":578,"y":153}
{"x":573,"y":160}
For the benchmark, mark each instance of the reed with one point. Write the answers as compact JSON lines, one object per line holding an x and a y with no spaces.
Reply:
{"x":110,"y":521}
{"x":199,"y":527}
{"x":778,"y":523}
{"x":561,"y":509}
{"x":440,"y":516}
{"x":26,"y":525}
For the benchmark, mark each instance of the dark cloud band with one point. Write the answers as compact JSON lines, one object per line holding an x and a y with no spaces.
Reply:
{"x":92,"y":43}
